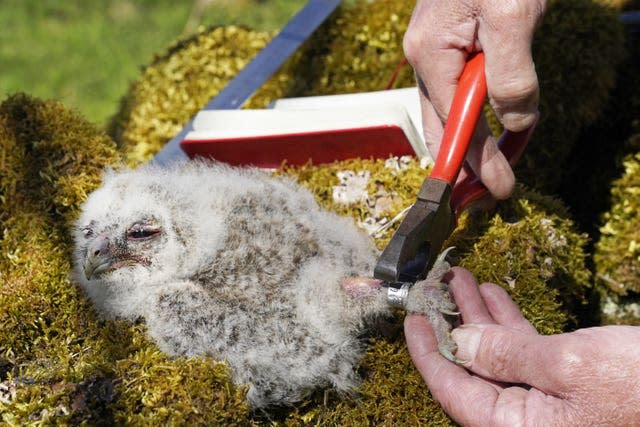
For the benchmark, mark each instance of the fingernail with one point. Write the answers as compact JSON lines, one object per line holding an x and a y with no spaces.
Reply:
{"x":467,"y":337}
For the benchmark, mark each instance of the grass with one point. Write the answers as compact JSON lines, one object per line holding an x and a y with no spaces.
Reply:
{"x":86,"y":53}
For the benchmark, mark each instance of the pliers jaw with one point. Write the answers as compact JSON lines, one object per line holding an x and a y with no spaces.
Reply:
{"x":416,"y":244}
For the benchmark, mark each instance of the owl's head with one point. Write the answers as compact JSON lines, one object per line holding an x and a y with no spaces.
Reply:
{"x":135,"y":235}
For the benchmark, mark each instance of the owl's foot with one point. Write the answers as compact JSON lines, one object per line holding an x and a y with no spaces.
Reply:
{"x":449,"y":312}
{"x":431,"y":298}
{"x":447,"y":352}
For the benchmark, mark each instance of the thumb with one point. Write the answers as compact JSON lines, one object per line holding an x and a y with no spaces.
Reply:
{"x":508,"y":355}
{"x":512,"y":82}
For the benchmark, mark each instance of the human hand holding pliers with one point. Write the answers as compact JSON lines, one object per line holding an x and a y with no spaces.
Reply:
{"x":420,"y":237}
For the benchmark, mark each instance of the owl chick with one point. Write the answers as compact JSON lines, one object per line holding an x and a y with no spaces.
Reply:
{"x":241,"y":266}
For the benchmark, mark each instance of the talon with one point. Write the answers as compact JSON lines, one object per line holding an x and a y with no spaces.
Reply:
{"x":449,"y":312}
{"x":444,"y":254}
{"x":447,"y":354}
{"x":462,"y":362}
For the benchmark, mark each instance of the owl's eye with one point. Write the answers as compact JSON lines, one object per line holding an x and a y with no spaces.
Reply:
{"x":142,"y":232}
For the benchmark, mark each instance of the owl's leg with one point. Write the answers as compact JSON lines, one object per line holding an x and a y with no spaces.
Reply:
{"x":431,"y":298}
{"x":361,"y":286}
{"x":367,"y":296}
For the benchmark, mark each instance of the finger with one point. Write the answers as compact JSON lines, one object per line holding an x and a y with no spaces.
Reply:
{"x":466,"y":398}
{"x":512,"y":83}
{"x":464,"y":289}
{"x":432,"y":127}
{"x":510,"y":355}
{"x":435,"y":45}
{"x":440,"y":76}
{"x":503,"y":309}
{"x":488,"y":162}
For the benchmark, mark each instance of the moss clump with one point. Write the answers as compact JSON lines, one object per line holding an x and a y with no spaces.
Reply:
{"x":177,"y":84}
{"x":577,"y":49}
{"x":609,"y":201}
{"x":63,"y":364}
{"x":532,"y":249}
{"x":51,"y":159}
{"x":358,"y":50}
{"x":617,"y":253}
{"x":154,"y":389}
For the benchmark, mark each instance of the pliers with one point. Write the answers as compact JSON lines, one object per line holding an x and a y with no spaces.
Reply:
{"x":414,"y":247}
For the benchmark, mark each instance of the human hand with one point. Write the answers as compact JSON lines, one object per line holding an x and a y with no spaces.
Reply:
{"x":514,"y":376}
{"x":441,"y":36}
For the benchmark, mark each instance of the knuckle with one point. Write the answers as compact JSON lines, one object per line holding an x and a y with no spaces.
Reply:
{"x":568,"y":359}
{"x":515,"y":102}
{"x":515,"y":90}
{"x":519,"y":10}
{"x":513,"y":10}
{"x":413,"y":45}
{"x":496,"y":352}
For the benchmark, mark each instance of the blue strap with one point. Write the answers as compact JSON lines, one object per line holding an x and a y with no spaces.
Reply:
{"x":258,"y":71}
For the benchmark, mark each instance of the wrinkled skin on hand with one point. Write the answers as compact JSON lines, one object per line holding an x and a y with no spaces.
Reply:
{"x":441,"y":36}
{"x":514,"y":376}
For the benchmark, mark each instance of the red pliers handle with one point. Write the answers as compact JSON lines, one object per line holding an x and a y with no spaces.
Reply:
{"x":430,"y":221}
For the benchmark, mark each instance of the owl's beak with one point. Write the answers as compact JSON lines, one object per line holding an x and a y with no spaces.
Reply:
{"x":98,"y":258}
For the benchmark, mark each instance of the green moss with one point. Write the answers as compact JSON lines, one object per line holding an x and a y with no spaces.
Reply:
{"x":177,"y":84}
{"x":157,"y":390}
{"x":70,"y":367}
{"x":532,"y":249}
{"x":358,"y":50}
{"x":61,"y":156}
{"x":610,"y":199}
{"x":617,"y":252}
{"x":577,"y":49}
{"x":65,"y":365}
